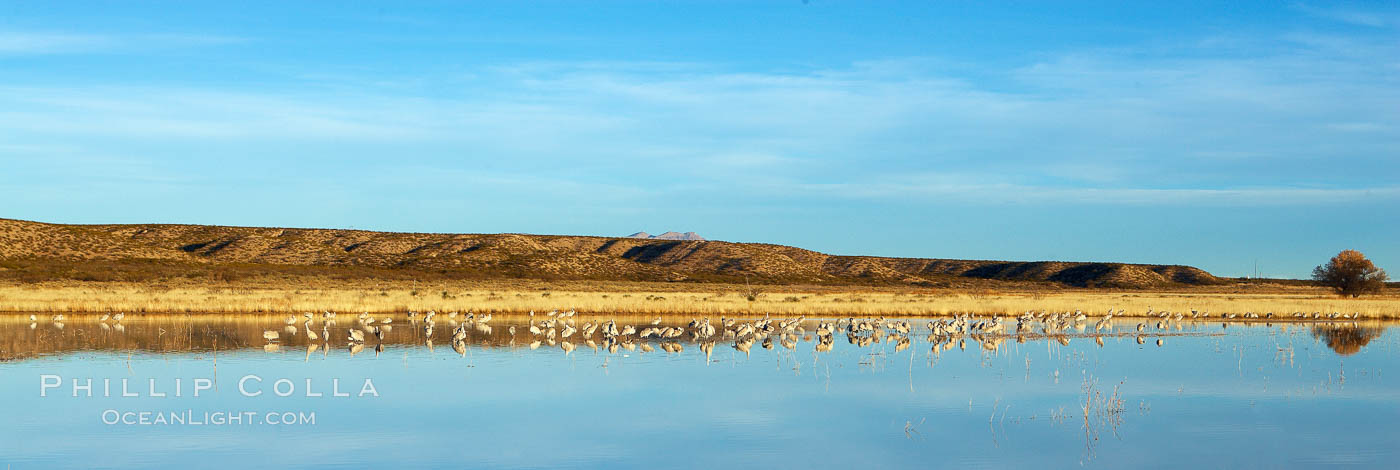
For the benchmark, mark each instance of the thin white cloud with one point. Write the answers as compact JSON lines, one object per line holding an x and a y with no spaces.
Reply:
{"x":51,"y":43}
{"x":1005,"y":193}
{"x":1090,"y":127}
{"x":46,"y":42}
{"x":1350,"y":16}
{"x":142,"y":112}
{"x":747,"y":160}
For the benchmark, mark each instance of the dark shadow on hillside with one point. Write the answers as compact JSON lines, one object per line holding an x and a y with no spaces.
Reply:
{"x":649,"y":253}
{"x":1083,"y":275}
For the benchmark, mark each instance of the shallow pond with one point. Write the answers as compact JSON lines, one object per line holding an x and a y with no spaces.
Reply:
{"x":1189,"y":394}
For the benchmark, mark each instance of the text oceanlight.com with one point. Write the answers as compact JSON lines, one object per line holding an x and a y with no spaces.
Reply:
{"x":215,"y":418}
{"x":251,"y":385}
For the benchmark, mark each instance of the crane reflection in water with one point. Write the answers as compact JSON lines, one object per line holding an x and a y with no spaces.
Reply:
{"x":1089,"y":378}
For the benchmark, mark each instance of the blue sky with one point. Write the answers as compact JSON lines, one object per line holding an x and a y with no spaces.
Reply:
{"x":1211,"y":134}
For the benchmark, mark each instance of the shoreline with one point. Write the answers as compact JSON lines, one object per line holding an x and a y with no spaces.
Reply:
{"x":670,"y":299}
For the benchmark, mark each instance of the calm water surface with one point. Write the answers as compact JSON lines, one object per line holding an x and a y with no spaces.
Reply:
{"x":1208,"y":395}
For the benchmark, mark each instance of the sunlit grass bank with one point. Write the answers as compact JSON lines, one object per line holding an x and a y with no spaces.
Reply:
{"x":657,"y":298}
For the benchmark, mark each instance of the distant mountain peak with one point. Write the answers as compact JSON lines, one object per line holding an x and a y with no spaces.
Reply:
{"x":668,"y":236}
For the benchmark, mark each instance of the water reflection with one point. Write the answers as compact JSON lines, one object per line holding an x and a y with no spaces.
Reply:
{"x":1054,"y":390}
{"x":1346,"y":340}
{"x":27,"y":336}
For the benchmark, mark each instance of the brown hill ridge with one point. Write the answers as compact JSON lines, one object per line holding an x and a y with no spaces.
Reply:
{"x":200,"y":247}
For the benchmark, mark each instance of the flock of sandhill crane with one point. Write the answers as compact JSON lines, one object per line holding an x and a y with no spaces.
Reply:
{"x":560,"y":328}
{"x":57,"y":321}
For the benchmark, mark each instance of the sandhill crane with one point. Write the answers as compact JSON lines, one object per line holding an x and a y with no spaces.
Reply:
{"x":745,"y":330}
{"x":270,"y":335}
{"x":356,"y":336}
{"x":995,"y":327}
{"x":744,"y":345}
{"x":1102,"y":323}
{"x":706,"y":329}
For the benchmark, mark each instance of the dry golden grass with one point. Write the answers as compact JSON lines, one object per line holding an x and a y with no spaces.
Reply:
{"x":654,"y":299}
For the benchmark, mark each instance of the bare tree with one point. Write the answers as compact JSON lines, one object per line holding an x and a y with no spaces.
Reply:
{"x":1351,"y":274}
{"x":751,"y":292}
